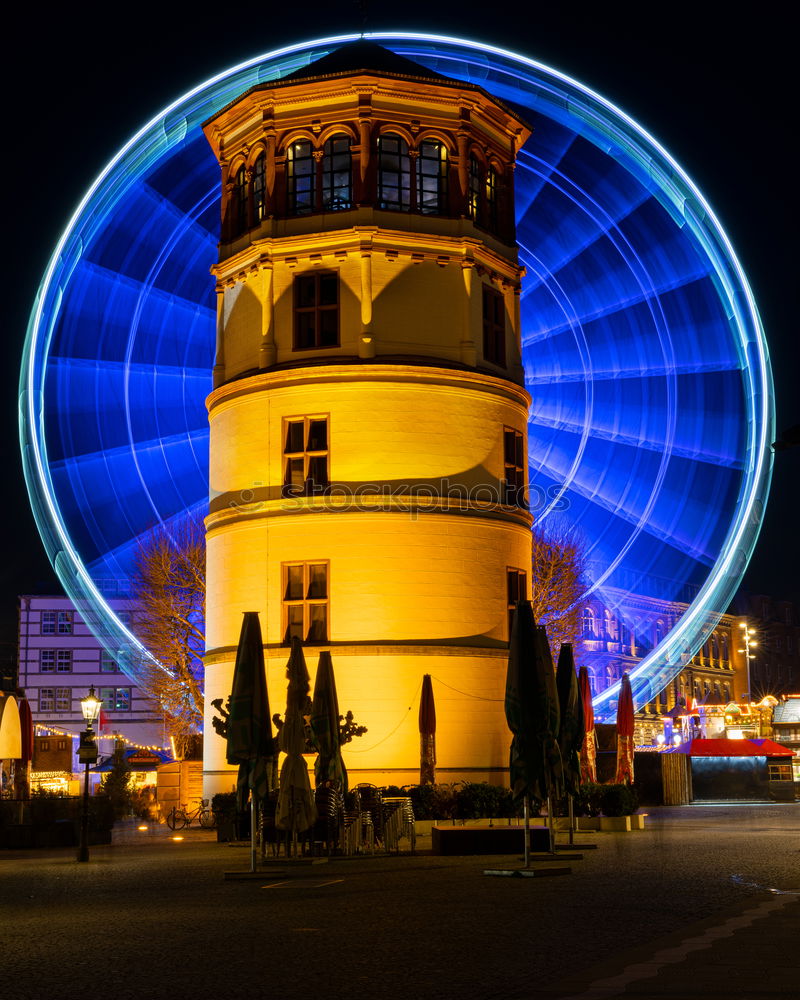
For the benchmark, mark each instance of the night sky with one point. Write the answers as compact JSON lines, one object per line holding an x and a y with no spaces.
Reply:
{"x":717,"y":94}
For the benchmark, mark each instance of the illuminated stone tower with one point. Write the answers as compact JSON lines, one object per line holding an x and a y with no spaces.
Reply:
{"x":368,"y":417}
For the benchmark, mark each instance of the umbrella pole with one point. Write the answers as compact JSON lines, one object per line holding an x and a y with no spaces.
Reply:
{"x":550,"y":823}
{"x":571,"y":822}
{"x":252,"y":830}
{"x":527,"y":853}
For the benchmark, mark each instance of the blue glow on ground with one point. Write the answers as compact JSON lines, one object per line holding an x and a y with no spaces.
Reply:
{"x":643,"y":350}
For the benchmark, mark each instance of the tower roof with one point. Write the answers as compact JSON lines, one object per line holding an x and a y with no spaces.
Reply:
{"x":363,"y":56}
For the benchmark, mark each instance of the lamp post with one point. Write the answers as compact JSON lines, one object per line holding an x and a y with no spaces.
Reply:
{"x":87,"y":754}
{"x":748,"y":656}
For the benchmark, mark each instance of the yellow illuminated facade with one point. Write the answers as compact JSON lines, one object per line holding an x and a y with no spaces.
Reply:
{"x":368,"y":417}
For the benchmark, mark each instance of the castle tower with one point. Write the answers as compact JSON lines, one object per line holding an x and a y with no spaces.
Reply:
{"x":368,"y":419}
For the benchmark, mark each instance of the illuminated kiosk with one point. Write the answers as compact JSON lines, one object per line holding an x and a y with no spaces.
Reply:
{"x":368,"y":421}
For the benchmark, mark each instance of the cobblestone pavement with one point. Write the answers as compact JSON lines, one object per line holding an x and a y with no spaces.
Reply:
{"x":703,"y":903}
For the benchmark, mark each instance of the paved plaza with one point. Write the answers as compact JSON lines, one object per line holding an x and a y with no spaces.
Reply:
{"x":702,"y":903}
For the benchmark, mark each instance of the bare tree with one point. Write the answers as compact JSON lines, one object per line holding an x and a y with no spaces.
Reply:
{"x":169,"y":585}
{"x":556,"y":585}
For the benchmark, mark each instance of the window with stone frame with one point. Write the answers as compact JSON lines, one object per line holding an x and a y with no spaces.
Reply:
{"x":394,"y":173}
{"x":316,"y":310}
{"x":306,"y":602}
{"x":494,"y":327}
{"x":259,"y":188}
{"x":336,"y":174}
{"x":514,"y":479}
{"x":305,"y":456}
{"x":431,"y":171}
{"x":516,"y":590}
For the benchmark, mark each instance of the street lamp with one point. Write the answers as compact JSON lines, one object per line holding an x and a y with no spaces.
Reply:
{"x":748,"y":656}
{"x":87,"y":754}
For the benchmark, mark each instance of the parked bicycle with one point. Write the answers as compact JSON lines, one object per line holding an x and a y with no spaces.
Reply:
{"x":177,"y":818}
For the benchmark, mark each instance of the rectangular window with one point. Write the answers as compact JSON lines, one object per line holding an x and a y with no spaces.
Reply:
{"x":514,"y":480}
{"x":108,"y":665}
{"x":780,"y":772}
{"x":517,"y":590}
{"x":305,"y":602}
{"x":63,"y":699}
{"x":64,"y":661}
{"x":305,"y":456}
{"x":116,"y":699}
{"x":47,"y":699}
{"x":47,"y":661}
{"x":48,"y":623}
{"x":65,"y":623}
{"x":61,"y":745}
{"x":494,"y":327}
{"x":44,"y":745}
{"x":316,"y":311}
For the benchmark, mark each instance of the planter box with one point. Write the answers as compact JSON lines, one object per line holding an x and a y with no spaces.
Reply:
{"x":615,"y":824}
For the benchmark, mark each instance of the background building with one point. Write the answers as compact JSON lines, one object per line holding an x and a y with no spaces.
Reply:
{"x":58,"y":660}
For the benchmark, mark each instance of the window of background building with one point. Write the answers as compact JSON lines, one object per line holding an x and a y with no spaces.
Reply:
{"x":240,"y":202}
{"x":473,"y":204}
{"x":116,"y":699}
{"x":44,"y":745}
{"x":47,"y":699}
{"x":513,"y":468}
{"x":305,"y":602}
{"x":48,"y":623}
{"x":65,"y":623}
{"x":494,"y":327}
{"x":305,"y":456}
{"x":316,"y":311}
{"x":108,"y":665}
{"x":516,"y":590}
{"x":47,"y":661}
{"x":63,"y":699}
{"x":64,"y":661}
{"x":61,"y":744}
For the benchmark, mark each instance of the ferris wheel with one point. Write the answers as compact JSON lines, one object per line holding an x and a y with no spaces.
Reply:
{"x":643,"y":352}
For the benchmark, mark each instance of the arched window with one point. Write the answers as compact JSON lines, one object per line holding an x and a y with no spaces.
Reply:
{"x":432,"y":178}
{"x":491,"y":199}
{"x":473,"y":204}
{"x":588,"y":623}
{"x":659,"y":631}
{"x":715,"y":646}
{"x":394,"y":173}
{"x":259,"y":188}
{"x":725,"y":653}
{"x":300,"y":177}
{"x":336,"y":174}
{"x":239,"y":214}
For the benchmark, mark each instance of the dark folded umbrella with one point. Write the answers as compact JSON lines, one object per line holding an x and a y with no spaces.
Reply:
{"x":427,"y":733}
{"x":249,"y":739}
{"x":325,"y":733}
{"x":571,"y":732}
{"x":296,"y":810}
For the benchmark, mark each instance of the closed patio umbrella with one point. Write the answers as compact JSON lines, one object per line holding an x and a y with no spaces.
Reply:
{"x":427,"y":733}
{"x":625,"y":723}
{"x":26,"y":743}
{"x":325,"y":734}
{"x":532,"y":713}
{"x":570,"y":733}
{"x":296,"y":810}
{"x":249,"y":736}
{"x":589,"y":743}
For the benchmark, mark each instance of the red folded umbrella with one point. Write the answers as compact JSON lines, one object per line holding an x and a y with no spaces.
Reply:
{"x":625,"y":725}
{"x":589,"y":744}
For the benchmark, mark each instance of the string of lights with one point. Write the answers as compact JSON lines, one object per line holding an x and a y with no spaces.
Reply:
{"x":50,"y":730}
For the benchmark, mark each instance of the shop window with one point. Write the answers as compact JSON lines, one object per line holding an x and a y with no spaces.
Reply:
{"x":432,"y":178}
{"x":394,"y":173}
{"x":316,"y":311}
{"x":305,"y":602}
{"x":494,"y":327}
{"x":516,"y":590}
{"x":305,"y":456}
{"x":514,"y":492}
